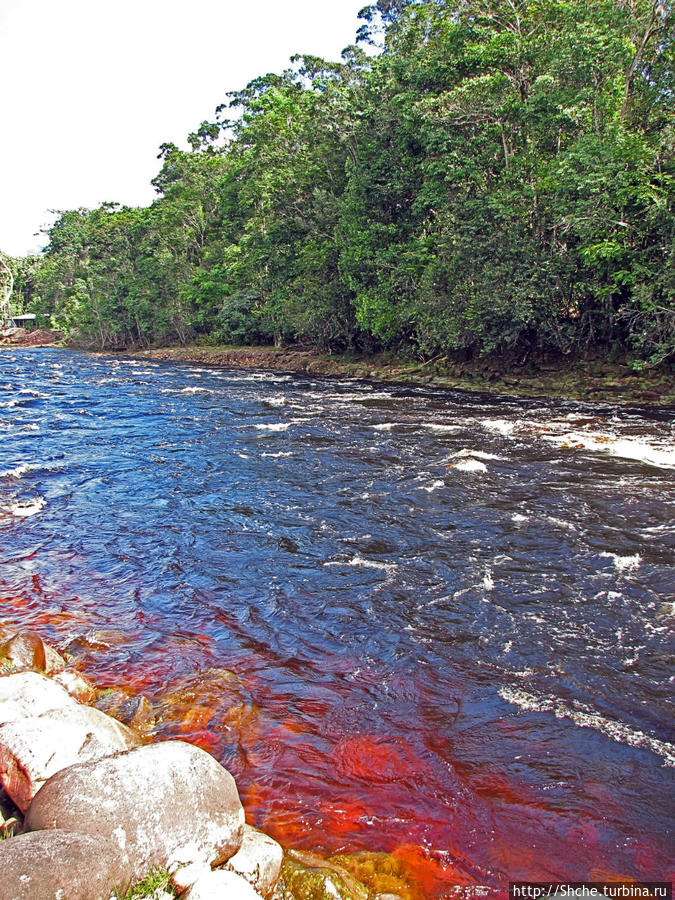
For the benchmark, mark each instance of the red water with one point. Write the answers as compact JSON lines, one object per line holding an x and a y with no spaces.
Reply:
{"x":463,"y":831}
{"x":332,"y":612}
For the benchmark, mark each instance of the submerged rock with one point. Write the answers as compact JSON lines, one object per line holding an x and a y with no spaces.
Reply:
{"x":55,"y":864}
{"x":383,"y":873}
{"x":308,"y":877}
{"x":166,"y":805}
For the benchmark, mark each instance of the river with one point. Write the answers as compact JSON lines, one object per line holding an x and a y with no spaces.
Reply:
{"x":436,"y":624}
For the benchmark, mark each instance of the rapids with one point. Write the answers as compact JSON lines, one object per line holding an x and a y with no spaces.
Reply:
{"x":436,"y":624}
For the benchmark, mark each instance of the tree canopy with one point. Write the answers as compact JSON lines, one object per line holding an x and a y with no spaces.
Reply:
{"x":497,"y":177}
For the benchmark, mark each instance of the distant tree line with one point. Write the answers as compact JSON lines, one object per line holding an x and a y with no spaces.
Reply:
{"x":496,"y":177}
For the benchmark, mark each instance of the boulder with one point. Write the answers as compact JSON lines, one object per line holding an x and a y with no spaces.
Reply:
{"x":221,"y":884}
{"x":183,"y":877}
{"x":52,"y":865}
{"x":34,"y":748}
{"x":258,"y":860}
{"x":76,"y":684}
{"x":26,"y":694}
{"x":166,"y":805}
{"x":27,"y":650}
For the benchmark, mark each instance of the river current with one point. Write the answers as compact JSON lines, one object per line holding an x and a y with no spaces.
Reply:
{"x":435,"y":624}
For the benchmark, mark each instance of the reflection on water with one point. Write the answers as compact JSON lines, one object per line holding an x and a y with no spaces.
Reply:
{"x":434,"y":624}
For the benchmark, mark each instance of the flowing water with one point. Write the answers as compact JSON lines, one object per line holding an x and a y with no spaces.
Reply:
{"x":430,"y":623}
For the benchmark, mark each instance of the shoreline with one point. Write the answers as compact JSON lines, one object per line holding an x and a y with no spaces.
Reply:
{"x":591,"y":380}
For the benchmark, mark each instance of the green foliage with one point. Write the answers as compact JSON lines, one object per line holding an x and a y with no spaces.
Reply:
{"x":499,"y":178}
{"x":156,"y":881}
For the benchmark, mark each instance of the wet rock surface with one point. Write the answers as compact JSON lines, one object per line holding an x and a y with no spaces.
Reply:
{"x":27,"y":650}
{"x":305,"y":876}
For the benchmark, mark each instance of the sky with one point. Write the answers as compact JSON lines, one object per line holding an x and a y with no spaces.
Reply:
{"x":89,"y":89}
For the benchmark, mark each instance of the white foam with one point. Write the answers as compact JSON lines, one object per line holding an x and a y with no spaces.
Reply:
{"x":498,"y":426}
{"x":488,"y":582}
{"x":18,"y":471}
{"x":196,"y":390}
{"x":359,"y":560}
{"x":585,"y":717}
{"x":636,"y":449}
{"x":476,"y":454}
{"x":24,"y":508}
{"x":518,"y":518}
{"x":434,"y":486}
{"x":624,"y":563}
{"x":362,"y":562}
{"x":279,"y":455}
{"x":275,"y":401}
{"x":437,"y":428}
{"x":470,"y":465}
{"x":273,"y":426}
{"x":384,"y":426}
{"x":561,"y":523}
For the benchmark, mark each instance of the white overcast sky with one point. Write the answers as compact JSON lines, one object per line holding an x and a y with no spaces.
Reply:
{"x":89,"y":89}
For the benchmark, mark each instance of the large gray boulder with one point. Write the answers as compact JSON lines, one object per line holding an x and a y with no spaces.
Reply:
{"x":166,"y":805}
{"x":34,"y":748}
{"x":258,"y":860}
{"x":55,"y":865}
{"x":30,"y":694}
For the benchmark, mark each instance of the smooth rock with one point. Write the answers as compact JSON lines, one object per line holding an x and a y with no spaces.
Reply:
{"x":34,"y":748}
{"x":24,"y":651}
{"x":137,"y":712}
{"x":54,"y":662}
{"x":166,"y":805}
{"x":258,"y":860}
{"x":222,"y":885}
{"x":76,"y":684}
{"x":26,"y":694}
{"x":183,"y":877}
{"x":59,"y":865}
{"x":27,"y":650}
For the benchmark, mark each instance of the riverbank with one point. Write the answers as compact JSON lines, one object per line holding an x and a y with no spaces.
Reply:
{"x":18,"y":338}
{"x":591,"y":379}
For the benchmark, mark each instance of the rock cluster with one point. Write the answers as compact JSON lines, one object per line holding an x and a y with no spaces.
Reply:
{"x":102,"y":809}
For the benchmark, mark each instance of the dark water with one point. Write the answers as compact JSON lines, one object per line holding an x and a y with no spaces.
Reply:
{"x":434,"y":624}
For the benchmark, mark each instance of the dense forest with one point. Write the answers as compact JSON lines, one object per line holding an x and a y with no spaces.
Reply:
{"x":473,"y":177}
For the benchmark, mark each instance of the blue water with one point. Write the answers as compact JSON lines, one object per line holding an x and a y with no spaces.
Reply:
{"x":472,"y":659}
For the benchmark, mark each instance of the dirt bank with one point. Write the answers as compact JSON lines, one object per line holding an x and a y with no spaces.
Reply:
{"x":19,"y":337}
{"x":589,"y":379}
